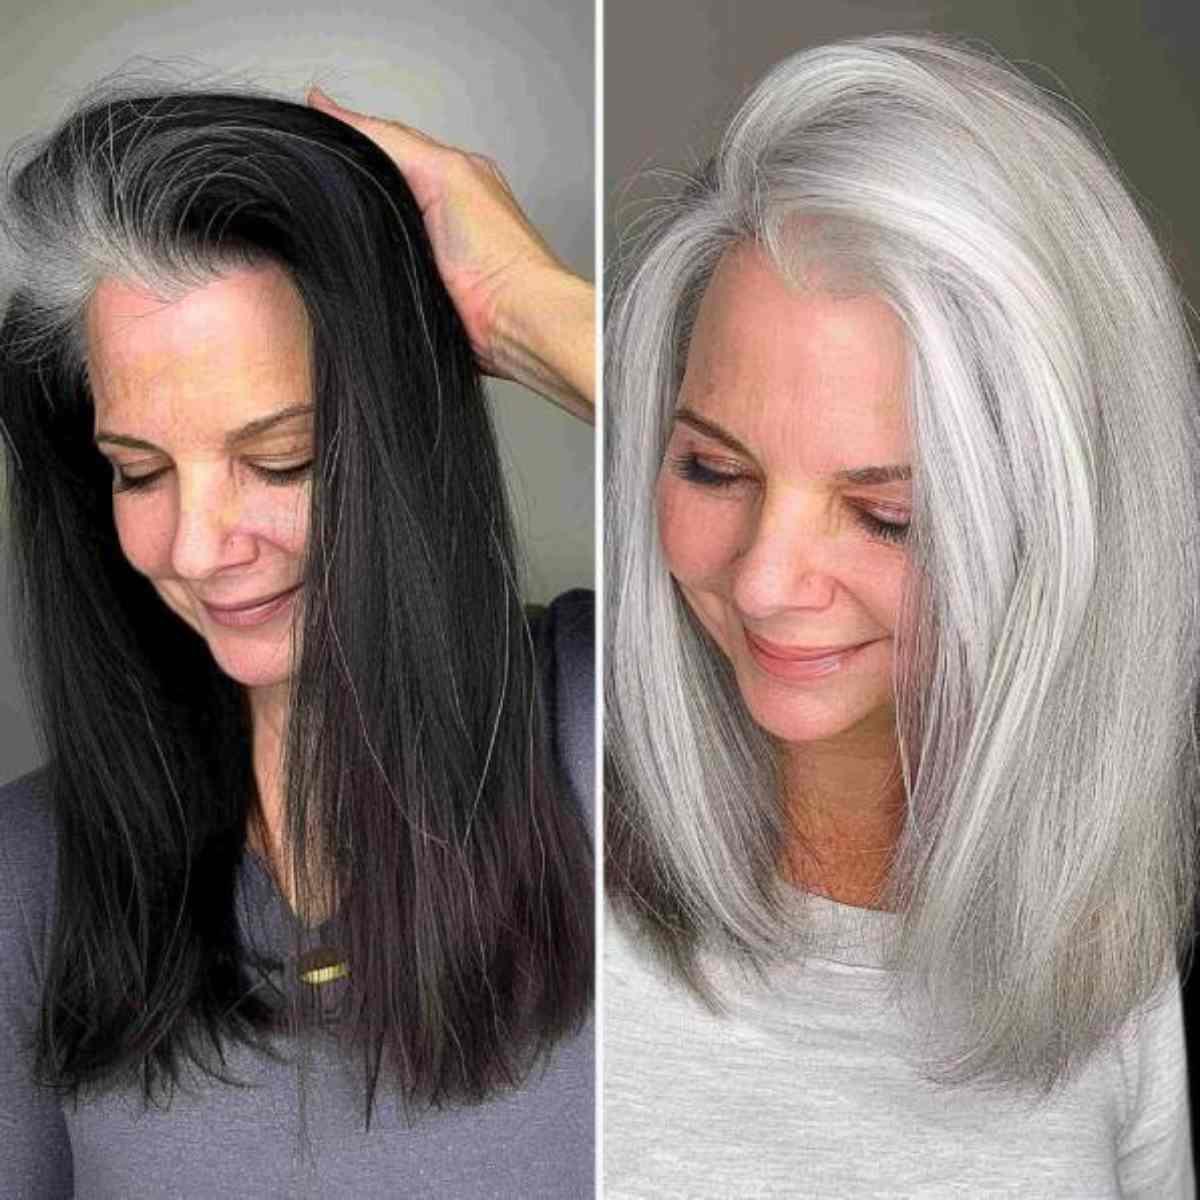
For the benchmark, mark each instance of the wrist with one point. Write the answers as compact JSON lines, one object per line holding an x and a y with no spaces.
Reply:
{"x":545,"y":338}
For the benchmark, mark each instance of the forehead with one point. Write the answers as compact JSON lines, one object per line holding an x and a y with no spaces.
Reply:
{"x":816,"y":379}
{"x":217,"y":357}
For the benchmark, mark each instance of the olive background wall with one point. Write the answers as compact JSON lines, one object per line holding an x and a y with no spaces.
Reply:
{"x":514,"y":81}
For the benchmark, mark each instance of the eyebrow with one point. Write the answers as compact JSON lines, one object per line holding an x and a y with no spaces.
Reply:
{"x":863,"y":476}
{"x":248,"y":431}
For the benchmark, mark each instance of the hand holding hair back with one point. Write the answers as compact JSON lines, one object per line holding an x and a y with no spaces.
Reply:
{"x":528,"y":317}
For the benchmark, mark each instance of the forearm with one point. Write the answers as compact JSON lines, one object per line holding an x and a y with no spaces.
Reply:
{"x":548,"y":341}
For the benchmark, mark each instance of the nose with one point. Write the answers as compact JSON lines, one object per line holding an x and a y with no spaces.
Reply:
{"x":208,"y":532}
{"x":788,"y":563}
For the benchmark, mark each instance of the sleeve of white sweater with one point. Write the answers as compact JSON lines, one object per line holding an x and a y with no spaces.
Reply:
{"x":1155,"y":1152}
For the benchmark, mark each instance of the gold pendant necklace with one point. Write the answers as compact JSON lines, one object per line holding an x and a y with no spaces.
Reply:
{"x":322,"y":965}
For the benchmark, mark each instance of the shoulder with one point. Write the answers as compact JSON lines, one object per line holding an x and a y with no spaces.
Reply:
{"x":1155,"y":1149}
{"x":28,"y":861}
{"x":568,"y":629}
{"x":27,"y":892}
{"x":25,"y":816}
{"x":565,"y":644}
{"x":37,"y":1148}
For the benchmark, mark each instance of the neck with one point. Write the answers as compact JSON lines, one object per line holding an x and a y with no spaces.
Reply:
{"x":268,"y":716}
{"x":847,"y":803}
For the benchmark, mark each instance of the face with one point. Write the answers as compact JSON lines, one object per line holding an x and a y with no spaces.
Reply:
{"x":203,"y":408}
{"x":785,"y":494}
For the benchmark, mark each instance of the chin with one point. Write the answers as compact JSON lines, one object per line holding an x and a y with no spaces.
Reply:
{"x":253,"y":667}
{"x":794,"y":722}
{"x":817,"y":712}
{"x":254,"y":658}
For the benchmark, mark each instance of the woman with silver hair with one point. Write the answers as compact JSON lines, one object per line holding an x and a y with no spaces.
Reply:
{"x":902,"y":641}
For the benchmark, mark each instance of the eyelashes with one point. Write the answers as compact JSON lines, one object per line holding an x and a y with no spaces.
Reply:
{"x":132,"y":483}
{"x":276,"y":476}
{"x":888,"y":531}
{"x":689,"y":467}
{"x":281,"y":476}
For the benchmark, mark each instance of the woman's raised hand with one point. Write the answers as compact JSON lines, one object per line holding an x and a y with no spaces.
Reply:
{"x":528,"y":317}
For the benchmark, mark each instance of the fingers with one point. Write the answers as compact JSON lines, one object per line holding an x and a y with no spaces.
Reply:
{"x":317,"y":98}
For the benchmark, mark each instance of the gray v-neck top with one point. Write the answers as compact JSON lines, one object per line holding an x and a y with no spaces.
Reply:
{"x":809,"y":1087}
{"x":219,"y":1140}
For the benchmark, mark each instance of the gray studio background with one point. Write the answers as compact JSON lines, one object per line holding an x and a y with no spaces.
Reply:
{"x":676,"y":69}
{"x":514,"y":81}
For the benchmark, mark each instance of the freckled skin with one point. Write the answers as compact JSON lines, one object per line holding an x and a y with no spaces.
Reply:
{"x":181,"y":376}
{"x":810,"y":385}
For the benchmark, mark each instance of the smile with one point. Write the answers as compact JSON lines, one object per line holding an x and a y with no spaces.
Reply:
{"x":255,"y":612}
{"x":801,"y":662}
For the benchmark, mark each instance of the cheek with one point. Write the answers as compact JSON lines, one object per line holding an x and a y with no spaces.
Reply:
{"x":145,"y":530}
{"x":876,"y":577}
{"x":700,"y":535}
{"x":146,"y":527}
{"x":281,"y":520}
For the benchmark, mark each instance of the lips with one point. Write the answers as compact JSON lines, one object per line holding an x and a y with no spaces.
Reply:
{"x":802,"y":664}
{"x":252,"y":612}
{"x":246,"y":604}
{"x":799,"y":653}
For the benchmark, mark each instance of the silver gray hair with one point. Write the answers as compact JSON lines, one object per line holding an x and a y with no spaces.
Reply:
{"x":82,"y":215}
{"x":1049,"y":645}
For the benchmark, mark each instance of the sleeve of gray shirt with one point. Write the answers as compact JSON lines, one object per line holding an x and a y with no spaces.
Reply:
{"x":565,"y":637}
{"x":36,"y":1152}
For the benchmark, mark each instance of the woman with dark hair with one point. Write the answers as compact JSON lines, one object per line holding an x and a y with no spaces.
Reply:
{"x":902,"y":647}
{"x":301,"y":902}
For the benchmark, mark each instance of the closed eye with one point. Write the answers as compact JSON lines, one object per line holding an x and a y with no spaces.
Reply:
{"x":692,"y":468}
{"x":695,"y":470}
{"x":277,"y":476}
{"x":282,"y":475}
{"x":877,"y":527}
{"x":131,"y":483}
